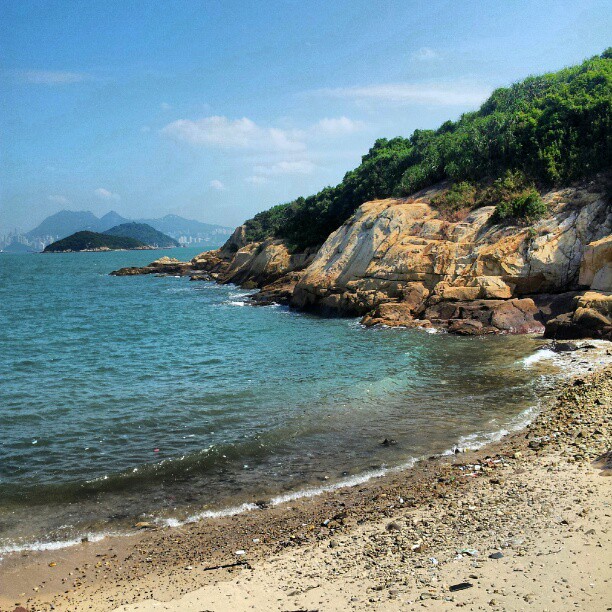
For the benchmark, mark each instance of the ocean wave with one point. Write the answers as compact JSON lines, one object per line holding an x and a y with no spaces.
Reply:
{"x":37,"y":545}
{"x":540,"y":355}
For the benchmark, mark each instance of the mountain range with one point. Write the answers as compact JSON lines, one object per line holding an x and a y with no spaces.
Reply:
{"x":187,"y":231}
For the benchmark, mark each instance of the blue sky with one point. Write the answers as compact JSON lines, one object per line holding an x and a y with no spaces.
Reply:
{"x":217,"y":110}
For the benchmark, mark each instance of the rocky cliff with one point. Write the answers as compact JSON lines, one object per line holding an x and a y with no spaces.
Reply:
{"x":400,"y":262}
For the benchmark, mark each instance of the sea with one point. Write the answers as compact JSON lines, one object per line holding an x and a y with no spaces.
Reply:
{"x":160,"y":399}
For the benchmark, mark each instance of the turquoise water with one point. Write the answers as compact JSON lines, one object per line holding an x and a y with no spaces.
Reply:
{"x":130,"y":397}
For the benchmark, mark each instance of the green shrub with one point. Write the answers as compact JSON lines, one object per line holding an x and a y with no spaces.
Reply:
{"x":455,"y":199}
{"x":527,"y":207}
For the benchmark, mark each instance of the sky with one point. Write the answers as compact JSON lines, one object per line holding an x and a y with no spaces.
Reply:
{"x":215,"y":110}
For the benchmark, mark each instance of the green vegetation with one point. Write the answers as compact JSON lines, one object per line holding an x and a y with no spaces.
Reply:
{"x":514,"y":196}
{"x":87,"y":241}
{"x":527,"y":207}
{"x":144,"y":233}
{"x":459,"y":197}
{"x":553,"y":129}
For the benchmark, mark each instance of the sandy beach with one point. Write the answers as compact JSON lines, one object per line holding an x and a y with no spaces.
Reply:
{"x":523,"y":523}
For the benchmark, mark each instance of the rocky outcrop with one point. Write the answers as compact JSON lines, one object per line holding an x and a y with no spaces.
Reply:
{"x":590,"y":318}
{"x":468,"y":270}
{"x":596,"y":266}
{"x":398,"y":262}
{"x":261,"y":263}
{"x":163,"y":265}
{"x":257,"y":265}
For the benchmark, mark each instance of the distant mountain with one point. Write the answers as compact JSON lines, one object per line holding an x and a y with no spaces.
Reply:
{"x":144,"y":233}
{"x":185,"y":231}
{"x":93,"y":241}
{"x":64,"y":223}
{"x":110,"y":219}
{"x":173,"y":224}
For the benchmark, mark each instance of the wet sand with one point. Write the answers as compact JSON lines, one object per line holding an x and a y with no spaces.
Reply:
{"x":402,"y":541}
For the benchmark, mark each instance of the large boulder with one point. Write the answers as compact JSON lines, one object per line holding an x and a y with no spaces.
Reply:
{"x":591,"y":318}
{"x":596,"y":265}
{"x":262,"y":263}
{"x":515,"y":316}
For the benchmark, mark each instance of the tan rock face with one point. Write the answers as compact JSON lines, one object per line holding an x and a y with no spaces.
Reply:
{"x":389,"y":244}
{"x":596,"y":300}
{"x":596,"y":266}
{"x":262,"y":263}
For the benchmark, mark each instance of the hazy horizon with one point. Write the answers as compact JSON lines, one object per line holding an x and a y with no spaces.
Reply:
{"x":214,"y":112}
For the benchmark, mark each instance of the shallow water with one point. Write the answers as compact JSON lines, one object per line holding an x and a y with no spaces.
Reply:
{"x":127,"y":398}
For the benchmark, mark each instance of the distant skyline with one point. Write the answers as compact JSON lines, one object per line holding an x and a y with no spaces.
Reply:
{"x":217,"y":110}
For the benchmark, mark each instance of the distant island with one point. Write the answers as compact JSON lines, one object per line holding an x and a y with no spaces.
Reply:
{"x":144,"y":233}
{"x":127,"y":236}
{"x":93,"y":241}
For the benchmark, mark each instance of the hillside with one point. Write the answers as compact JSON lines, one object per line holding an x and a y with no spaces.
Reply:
{"x":543,"y":131}
{"x":143,"y":233}
{"x":92,"y":241}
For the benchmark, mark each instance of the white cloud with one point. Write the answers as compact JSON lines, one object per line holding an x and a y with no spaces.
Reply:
{"x":452,"y":93}
{"x":337,"y":126}
{"x":256,"y":180}
{"x":216,"y":184}
{"x":50,"y":77}
{"x":226,"y":133}
{"x":426,"y":54}
{"x":165,"y":106}
{"x":59,"y":199}
{"x":285,"y":167}
{"x":105,"y":194}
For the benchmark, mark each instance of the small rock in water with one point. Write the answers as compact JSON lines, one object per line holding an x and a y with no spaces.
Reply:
{"x":388,"y":442}
{"x":144,"y":525}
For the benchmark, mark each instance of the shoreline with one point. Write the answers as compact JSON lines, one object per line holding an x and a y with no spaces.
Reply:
{"x":114,"y":571}
{"x":474,"y":441}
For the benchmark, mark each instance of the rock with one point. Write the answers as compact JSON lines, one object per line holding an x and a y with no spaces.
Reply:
{"x":496,"y":555}
{"x":393,"y":527}
{"x":552,"y":305}
{"x":262,"y":263}
{"x":492,"y":288}
{"x":456,"y":294}
{"x":388,"y":442}
{"x":596,"y":265}
{"x":391,"y":313}
{"x":163,"y":266}
{"x":390,"y":243}
{"x":591,"y":318}
{"x":460,"y":587}
{"x":200,"y":276}
{"x":564,"y":347}
{"x":466,"y":327}
{"x":487,"y":316}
